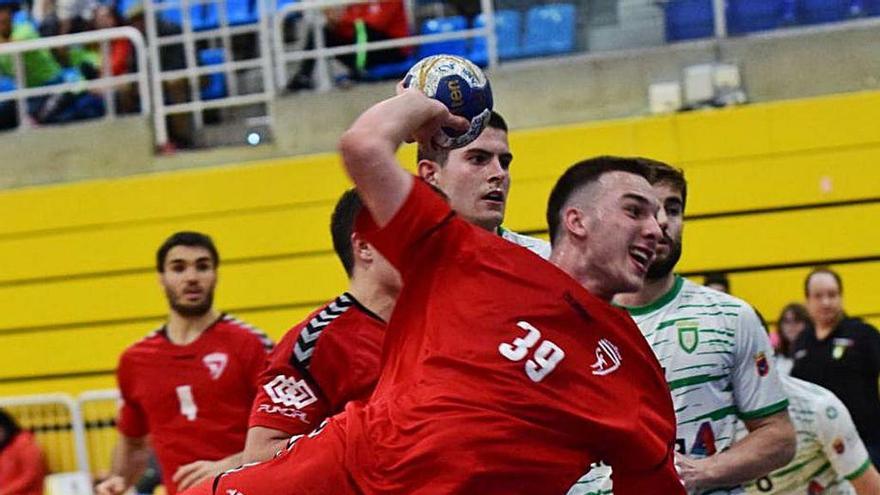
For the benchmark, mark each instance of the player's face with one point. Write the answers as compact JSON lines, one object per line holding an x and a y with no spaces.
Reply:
{"x":671,"y":219}
{"x":623,"y":232}
{"x":824,"y":302}
{"x":189,"y":279}
{"x":476,"y":178}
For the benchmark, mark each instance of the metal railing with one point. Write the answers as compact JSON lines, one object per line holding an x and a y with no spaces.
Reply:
{"x":58,"y":425}
{"x":105,"y":82}
{"x":316,"y":20}
{"x":192,"y":70}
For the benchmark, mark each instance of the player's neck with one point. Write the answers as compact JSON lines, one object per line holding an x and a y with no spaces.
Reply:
{"x":651,"y":292}
{"x":183,"y":330}
{"x":377,"y":299}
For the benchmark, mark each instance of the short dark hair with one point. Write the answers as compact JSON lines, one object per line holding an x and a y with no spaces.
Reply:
{"x":441,"y":155}
{"x":583,"y":173}
{"x":342,"y":225}
{"x":186,"y":238}
{"x":822,"y":269}
{"x":663,"y":173}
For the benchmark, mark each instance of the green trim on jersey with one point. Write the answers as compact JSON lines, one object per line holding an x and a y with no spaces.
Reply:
{"x":659,"y":303}
{"x":860,"y":471}
{"x":764,"y":411}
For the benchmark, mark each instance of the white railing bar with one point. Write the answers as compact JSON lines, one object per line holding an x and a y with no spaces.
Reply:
{"x":718,"y":7}
{"x":176,"y":39}
{"x":96,"y":395}
{"x":155,"y":69}
{"x":106,"y":72}
{"x":380,"y":45}
{"x":488,"y":9}
{"x":204,"y":70}
{"x":20,"y":82}
{"x":109,"y":82}
{"x":232,"y":101}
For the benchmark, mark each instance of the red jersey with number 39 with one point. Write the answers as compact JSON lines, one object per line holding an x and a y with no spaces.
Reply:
{"x":501,"y":374}
{"x":193,"y":400}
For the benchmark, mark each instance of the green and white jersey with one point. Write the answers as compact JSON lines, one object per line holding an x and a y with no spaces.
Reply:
{"x":718,"y":362}
{"x":533,"y":244}
{"x":829,"y":450}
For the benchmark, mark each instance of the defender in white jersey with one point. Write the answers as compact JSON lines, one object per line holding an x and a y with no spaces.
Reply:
{"x":831,"y":458}
{"x":717,"y":360}
{"x":476,"y":180}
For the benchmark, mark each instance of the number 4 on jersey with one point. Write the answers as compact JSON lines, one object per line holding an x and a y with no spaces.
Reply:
{"x":187,"y":404}
{"x":544,"y":358}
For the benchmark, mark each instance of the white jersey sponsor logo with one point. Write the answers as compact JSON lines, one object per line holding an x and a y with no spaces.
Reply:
{"x":608,"y":358}
{"x":287,"y":412}
{"x":216,"y":363}
{"x":290,"y":392}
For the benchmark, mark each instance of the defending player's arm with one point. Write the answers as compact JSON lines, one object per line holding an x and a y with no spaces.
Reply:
{"x":369,"y":147}
{"x":768,"y":446}
{"x":843,"y":447}
{"x":129,"y":461}
{"x":763,"y":408}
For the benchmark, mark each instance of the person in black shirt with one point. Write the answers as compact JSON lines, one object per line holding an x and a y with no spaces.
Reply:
{"x":841,"y":354}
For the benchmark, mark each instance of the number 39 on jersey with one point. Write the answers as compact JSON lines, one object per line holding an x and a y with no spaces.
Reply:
{"x":542,"y":360}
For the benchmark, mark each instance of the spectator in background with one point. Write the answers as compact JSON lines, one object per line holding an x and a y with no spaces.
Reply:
{"x":793,"y":320}
{"x":841,"y":354}
{"x":22,"y":467}
{"x":374,"y":20}
{"x":717,"y":281}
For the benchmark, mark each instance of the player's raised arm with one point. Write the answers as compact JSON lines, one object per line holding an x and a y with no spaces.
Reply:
{"x":368,"y":147}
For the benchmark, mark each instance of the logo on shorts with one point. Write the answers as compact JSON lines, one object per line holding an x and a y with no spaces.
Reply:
{"x":839,"y":446}
{"x":688,"y":335}
{"x":216,"y":363}
{"x":290,"y":392}
{"x":607,"y":358}
{"x":761,"y":364}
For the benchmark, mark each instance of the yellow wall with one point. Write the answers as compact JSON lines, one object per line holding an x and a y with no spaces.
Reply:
{"x":77,"y":283}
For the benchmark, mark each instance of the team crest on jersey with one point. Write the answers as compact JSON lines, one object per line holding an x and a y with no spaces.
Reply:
{"x":839,"y":446}
{"x":688,"y":335}
{"x":762,"y":364}
{"x":815,"y":488}
{"x":216,"y":363}
{"x":290,"y":392}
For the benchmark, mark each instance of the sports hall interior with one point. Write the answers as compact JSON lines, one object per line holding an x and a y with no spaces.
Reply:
{"x":777,"y":186}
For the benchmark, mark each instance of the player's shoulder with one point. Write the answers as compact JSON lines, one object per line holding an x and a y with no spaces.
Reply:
{"x":716,"y":303}
{"x":808,"y":393}
{"x":146,"y":347}
{"x":235,"y":328}
{"x":338,"y":323}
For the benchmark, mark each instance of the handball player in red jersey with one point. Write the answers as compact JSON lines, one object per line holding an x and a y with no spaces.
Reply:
{"x":502,"y":373}
{"x":187,"y":387}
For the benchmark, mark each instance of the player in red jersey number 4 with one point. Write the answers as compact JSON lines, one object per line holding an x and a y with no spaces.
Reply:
{"x":502,"y":373}
{"x":188,"y":386}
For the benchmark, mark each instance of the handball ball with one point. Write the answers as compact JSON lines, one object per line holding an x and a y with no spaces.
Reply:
{"x":460,"y":85}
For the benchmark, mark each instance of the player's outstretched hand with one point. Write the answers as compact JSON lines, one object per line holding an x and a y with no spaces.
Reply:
{"x":114,"y":485}
{"x":195,"y":472}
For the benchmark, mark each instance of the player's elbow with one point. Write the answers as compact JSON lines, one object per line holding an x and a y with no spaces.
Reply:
{"x":785,"y":445}
{"x":358,"y":149}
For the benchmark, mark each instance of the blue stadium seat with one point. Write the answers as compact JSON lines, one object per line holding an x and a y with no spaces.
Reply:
{"x":822,"y":11}
{"x":6,"y":84}
{"x":241,"y":12}
{"x":689,"y":19}
{"x":508,"y":30}
{"x":202,"y":16}
{"x":871,"y":7}
{"x":746,"y":16}
{"x":216,"y":83}
{"x":444,"y":25}
{"x":389,"y":71}
{"x":549,"y":29}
